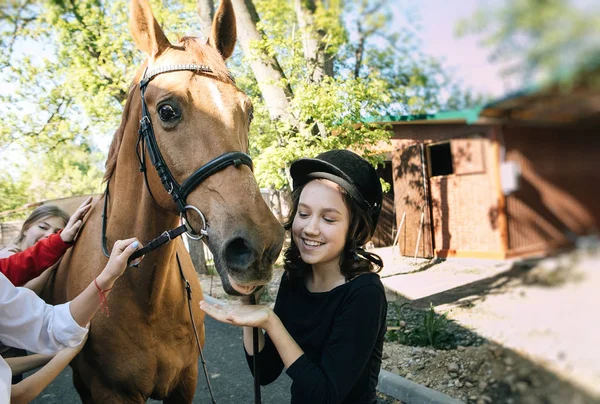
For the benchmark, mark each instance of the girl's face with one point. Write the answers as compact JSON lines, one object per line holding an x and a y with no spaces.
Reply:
{"x":321,"y":224}
{"x":42,"y":229}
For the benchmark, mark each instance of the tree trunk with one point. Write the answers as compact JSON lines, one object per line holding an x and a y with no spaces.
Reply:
{"x":206,"y":11}
{"x":317,"y":60}
{"x":314,"y":51}
{"x":266,"y":69}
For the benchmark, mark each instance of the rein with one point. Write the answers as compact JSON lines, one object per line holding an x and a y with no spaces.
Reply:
{"x":179,"y":193}
{"x":188,"y":289}
{"x":255,"y":368}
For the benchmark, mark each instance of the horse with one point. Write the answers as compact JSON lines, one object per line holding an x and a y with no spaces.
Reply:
{"x":200,"y":172}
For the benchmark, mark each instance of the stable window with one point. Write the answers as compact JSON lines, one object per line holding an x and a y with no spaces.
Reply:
{"x":440,"y":157}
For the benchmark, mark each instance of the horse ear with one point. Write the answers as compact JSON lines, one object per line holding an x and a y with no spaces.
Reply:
{"x":223,"y":33}
{"x":147,"y":34}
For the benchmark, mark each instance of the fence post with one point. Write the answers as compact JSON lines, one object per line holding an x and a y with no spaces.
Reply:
{"x":420,"y":230}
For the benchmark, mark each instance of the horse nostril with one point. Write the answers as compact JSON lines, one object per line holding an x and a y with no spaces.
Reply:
{"x":238,"y":254}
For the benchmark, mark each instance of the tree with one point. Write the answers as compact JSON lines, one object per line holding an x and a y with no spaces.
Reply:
{"x":68,"y":65}
{"x":72,"y":170}
{"x":319,"y":71}
{"x":12,"y":194}
{"x":322,"y":70}
{"x":539,"y":39}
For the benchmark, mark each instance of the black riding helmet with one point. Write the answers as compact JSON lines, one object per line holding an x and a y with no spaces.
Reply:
{"x":347,"y":169}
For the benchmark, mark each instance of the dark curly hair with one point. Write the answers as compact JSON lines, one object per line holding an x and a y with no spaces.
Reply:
{"x":359,"y":232}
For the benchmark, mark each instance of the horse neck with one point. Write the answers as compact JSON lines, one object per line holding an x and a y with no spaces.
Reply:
{"x":133,"y":212}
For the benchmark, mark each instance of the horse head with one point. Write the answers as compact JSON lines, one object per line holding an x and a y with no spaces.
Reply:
{"x":200,"y":122}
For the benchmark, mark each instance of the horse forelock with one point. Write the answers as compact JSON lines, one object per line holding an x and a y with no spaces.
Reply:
{"x":206,"y":55}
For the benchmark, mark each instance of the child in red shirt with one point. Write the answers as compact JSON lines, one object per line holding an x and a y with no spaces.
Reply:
{"x":23,"y":266}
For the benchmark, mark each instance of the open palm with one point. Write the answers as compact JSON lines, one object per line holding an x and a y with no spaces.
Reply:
{"x":245,"y":315}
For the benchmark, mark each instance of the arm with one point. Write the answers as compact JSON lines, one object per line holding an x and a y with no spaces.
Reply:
{"x":27,"y":322}
{"x":247,"y":332}
{"x":289,"y":351}
{"x":347,"y":350}
{"x":287,"y":348}
{"x":21,"y":267}
{"x":28,"y":389}
{"x":37,"y":284}
{"x":21,"y":364}
{"x":85,"y":305}
{"x":26,"y":265}
{"x":270,"y":354}
{"x":270,"y":359}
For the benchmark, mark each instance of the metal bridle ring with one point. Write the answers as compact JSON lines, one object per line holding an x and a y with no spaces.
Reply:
{"x":189,"y":230}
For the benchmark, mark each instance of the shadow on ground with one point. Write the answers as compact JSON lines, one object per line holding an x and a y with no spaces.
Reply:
{"x":439,"y":353}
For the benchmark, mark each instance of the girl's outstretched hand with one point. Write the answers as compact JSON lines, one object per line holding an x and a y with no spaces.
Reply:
{"x":72,"y":228}
{"x":245,"y":315}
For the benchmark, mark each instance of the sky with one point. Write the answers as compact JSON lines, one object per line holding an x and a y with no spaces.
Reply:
{"x":465,"y":57}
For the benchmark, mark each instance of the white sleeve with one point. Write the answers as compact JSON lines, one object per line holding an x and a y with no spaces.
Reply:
{"x":27,"y":322}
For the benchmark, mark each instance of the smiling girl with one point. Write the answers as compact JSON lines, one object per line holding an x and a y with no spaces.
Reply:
{"x":329,"y":320}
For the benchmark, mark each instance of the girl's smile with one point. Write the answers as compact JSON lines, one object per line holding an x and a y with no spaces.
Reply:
{"x":311,"y":243}
{"x":321,"y":224}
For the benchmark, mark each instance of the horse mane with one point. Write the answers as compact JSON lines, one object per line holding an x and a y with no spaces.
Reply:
{"x":115,"y":145}
{"x":203,"y":54}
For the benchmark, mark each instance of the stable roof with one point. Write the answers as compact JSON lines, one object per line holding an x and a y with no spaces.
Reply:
{"x":577,"y":102}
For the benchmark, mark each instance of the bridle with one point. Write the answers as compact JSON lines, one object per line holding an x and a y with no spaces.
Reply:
{"x":179,"y":192}
{"x":146,"y":135}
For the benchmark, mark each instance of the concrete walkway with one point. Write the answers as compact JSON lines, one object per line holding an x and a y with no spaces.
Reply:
{"x":550,"y":322}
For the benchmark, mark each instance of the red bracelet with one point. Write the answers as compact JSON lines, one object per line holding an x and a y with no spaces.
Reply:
{"x":102,"y":297}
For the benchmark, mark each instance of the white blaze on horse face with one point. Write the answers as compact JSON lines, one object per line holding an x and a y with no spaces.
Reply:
{"x":217,"y":97}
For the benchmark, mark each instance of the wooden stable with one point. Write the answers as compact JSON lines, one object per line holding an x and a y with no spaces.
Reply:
{"x":517,"y":177}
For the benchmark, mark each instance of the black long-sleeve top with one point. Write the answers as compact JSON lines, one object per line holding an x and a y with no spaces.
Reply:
{"x":341,"y":333}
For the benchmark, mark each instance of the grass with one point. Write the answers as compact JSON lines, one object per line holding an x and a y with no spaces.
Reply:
{"x":422,"y":328}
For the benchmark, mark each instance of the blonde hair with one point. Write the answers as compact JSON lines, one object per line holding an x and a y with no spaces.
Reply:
{"x":40,"y":213}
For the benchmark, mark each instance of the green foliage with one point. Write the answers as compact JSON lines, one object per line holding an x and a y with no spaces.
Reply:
{"x":73,"y":68}
{"x":71,"y":170}
{"x":339,"y":105}
{"x":430,"y":329}
{"x":550,"y":39}
{"x":12,"y":194}
{"x":70,"y":64}
{"x":391,"y":77}
{"x":433,"y":326}
{"x":66,"y":171}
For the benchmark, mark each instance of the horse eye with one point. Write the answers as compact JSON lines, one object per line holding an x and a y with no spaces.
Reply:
{"x":167,"y":113}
